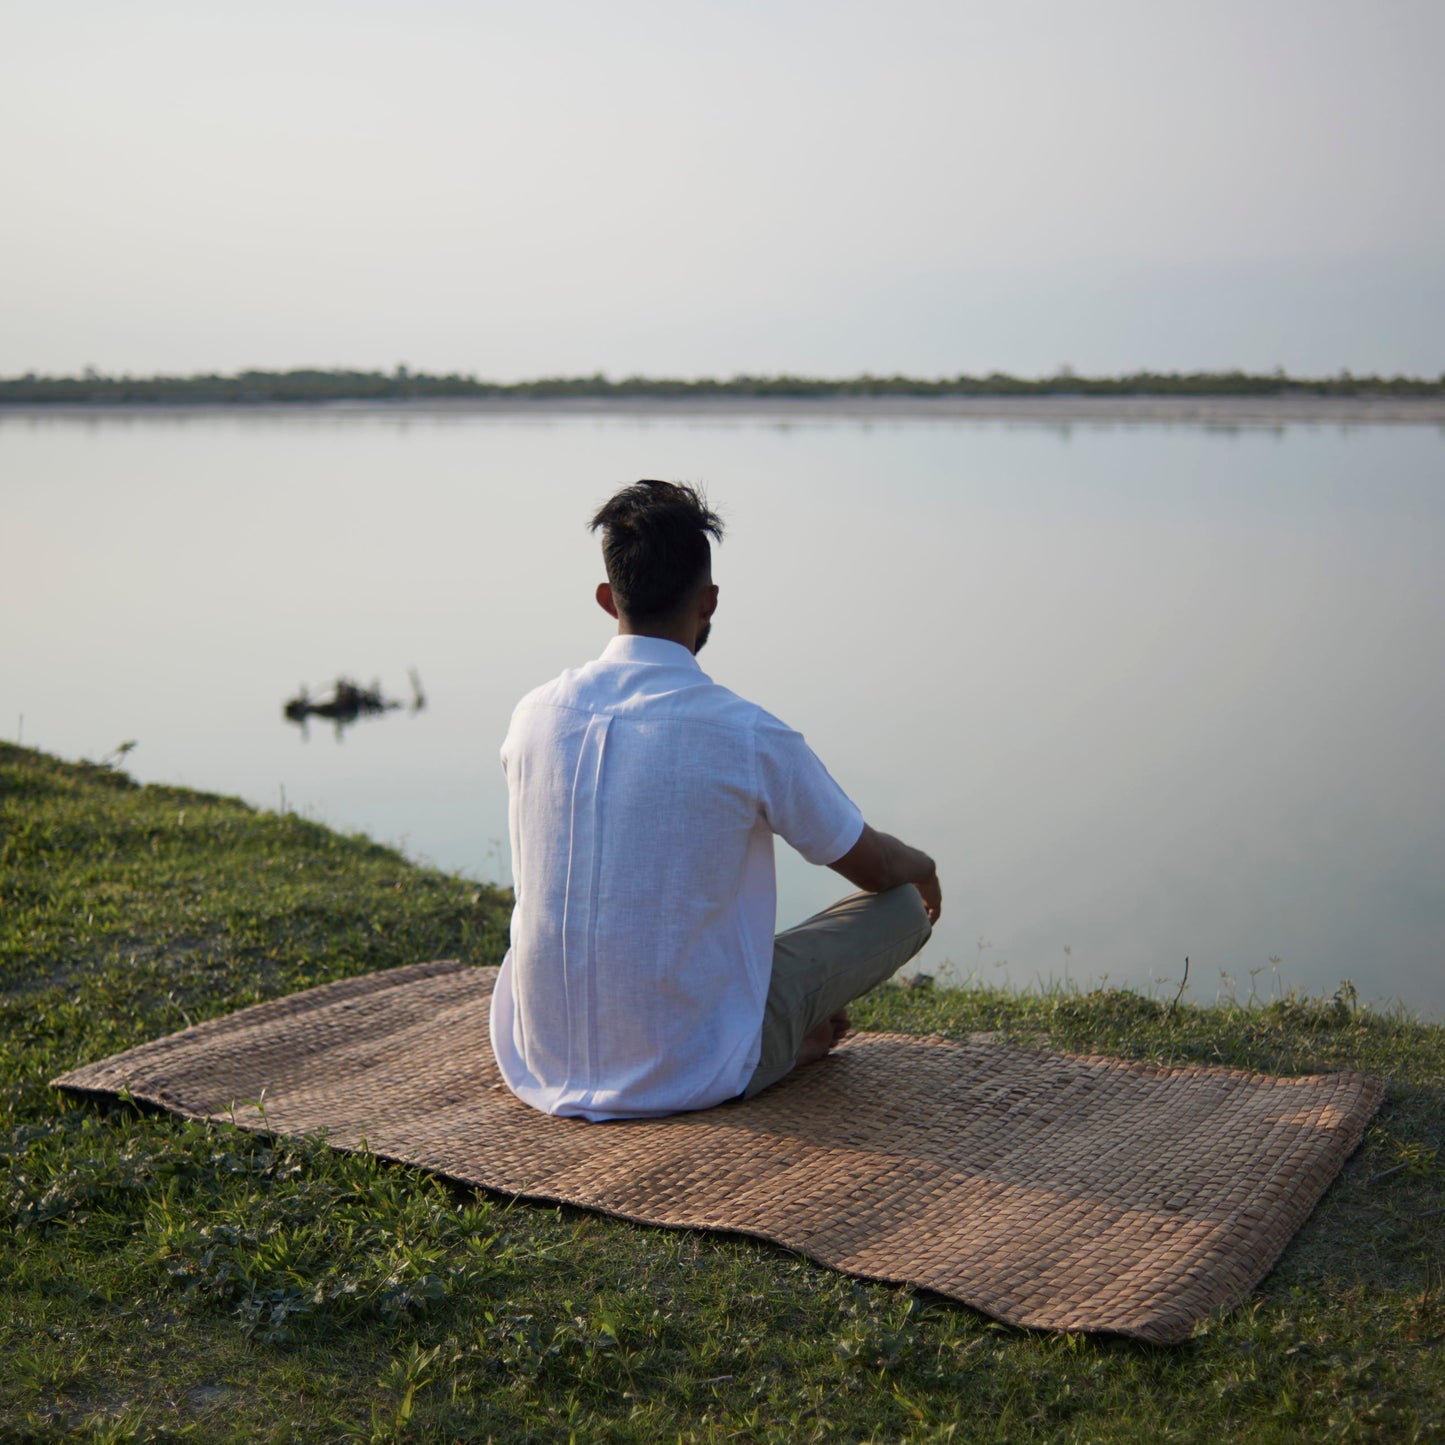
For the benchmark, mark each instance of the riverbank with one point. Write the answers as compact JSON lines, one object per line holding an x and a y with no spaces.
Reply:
{"x":159,"y":1275}
{"x":1216,"y":412}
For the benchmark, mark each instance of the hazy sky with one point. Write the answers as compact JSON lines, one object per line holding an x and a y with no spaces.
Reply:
{"x":707,"y":187}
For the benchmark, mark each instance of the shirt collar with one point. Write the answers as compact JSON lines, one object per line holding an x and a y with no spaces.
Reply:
{"x":628,"y":647}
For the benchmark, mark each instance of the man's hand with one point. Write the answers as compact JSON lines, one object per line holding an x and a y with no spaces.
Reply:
{"x":879,"y":861}
{"x":932,"y":895}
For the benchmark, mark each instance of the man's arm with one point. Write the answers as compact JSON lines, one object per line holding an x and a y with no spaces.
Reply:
{"x":879,"y":861}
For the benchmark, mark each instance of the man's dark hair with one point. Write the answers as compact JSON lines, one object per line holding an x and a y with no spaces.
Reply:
{"x":655,"y":547}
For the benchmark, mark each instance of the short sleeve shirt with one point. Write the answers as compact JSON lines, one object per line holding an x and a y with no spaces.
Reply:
{"x":643,"y":802}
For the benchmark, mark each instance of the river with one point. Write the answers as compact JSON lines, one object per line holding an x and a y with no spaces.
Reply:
{"x":1146,"y":688}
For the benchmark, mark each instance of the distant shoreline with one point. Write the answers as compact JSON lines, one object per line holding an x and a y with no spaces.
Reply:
{"x":1223,"y":411}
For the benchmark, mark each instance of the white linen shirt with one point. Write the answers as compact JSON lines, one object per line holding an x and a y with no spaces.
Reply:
{"x":643,"y":803}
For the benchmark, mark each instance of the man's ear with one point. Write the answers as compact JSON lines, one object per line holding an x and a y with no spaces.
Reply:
{"x":604,"y":599}
{"x":709,"y":601}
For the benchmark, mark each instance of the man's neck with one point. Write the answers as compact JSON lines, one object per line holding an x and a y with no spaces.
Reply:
{"x":684,"y":633}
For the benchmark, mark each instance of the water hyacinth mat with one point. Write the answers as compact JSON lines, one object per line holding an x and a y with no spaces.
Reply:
{"x":1049,"y":1191}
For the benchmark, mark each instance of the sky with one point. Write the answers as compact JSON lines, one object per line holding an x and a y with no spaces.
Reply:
{"x":716,"y":187}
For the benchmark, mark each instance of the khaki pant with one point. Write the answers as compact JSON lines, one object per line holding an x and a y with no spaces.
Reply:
{"x":822,"y":965}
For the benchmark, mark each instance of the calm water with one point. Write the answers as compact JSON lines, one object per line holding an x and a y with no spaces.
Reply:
{"x":1145,"y":691}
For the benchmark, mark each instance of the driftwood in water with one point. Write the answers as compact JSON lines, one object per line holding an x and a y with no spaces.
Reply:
{"x":348,"y":702}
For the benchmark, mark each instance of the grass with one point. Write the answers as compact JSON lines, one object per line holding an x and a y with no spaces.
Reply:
{"x":160,"y":1279}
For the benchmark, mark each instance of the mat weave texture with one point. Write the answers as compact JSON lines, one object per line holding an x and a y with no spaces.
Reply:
{"x":1049,"y":1191}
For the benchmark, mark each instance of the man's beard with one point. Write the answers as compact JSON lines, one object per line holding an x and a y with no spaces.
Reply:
{"x":702,"y":637}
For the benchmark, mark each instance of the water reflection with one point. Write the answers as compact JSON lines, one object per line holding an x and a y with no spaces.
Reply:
{"x":348,"y":702}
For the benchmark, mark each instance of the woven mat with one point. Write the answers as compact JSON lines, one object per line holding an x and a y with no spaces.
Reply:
{"x":1054,"y":1192}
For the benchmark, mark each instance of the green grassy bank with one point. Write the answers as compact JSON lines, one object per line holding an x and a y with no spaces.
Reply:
{"x":163,"y":1279}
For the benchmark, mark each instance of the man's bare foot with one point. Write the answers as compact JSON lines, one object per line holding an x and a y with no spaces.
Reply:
{"x":822,"y":1039}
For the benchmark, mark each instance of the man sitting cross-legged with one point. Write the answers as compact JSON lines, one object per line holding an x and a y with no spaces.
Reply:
{"x":644,"y":977}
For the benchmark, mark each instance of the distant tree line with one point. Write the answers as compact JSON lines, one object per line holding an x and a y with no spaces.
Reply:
{"x":258,"y":387}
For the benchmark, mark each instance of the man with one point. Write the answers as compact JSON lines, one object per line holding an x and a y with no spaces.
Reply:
{"x":643,"y":976}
